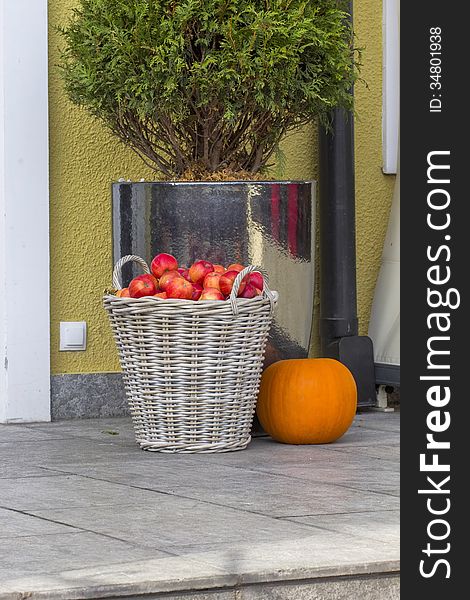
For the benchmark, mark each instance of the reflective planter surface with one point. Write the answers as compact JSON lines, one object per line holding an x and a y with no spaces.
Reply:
{"x":252,"y":222}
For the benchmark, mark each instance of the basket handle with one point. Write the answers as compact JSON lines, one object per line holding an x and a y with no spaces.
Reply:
{"x":267,"y":293}
{"x":117,"y":274}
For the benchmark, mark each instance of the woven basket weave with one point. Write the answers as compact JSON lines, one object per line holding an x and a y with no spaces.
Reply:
{"x":191,"y":369}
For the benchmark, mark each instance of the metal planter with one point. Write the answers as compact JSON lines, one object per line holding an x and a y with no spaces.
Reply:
{"x":252,"y":222}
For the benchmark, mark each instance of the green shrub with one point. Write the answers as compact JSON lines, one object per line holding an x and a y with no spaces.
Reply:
{"x":204,"y":86}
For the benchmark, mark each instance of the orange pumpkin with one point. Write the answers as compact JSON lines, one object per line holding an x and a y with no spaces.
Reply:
{"x":307,"y":401}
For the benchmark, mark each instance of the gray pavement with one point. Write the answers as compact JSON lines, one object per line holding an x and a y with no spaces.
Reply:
{"x":84,"y":513}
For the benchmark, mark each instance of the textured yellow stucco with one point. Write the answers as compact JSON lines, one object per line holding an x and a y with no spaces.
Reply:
{"x":85,"y":159}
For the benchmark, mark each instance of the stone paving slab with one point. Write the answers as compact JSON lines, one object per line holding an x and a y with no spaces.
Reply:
{"x":363,"y":436}
{"x":66,"y":551}
{"x":322,"y":465}
{"x":255,"y":491}
{"x":267,"y":453}
{"x":20,"y":433}
{"x":297,"y":555}
{"x":383,"y":525}
{"x":68,"y":491}
{"x":107,"y":430}
{"x":15,"y":524}
{"x":171,"y":522}
{"x":84,"y":513}
{"x":373,"y":477}
{"x":47,"y":453}
{"x":10,"y":470}
{"x":378,"y":421}
{"x":385,"y":452}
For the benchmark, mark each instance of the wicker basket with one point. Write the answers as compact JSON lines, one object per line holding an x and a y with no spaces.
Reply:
{"x":191,"y":369}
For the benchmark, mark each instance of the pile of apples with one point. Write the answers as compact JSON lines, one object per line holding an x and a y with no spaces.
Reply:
{"x":201,"y":281}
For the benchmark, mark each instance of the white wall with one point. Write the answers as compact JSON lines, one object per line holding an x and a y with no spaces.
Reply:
{"x":391,"y":84}
{"x":24,"y":213}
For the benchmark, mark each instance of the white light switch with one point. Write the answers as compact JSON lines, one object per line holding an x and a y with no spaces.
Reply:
{"x":72,"y":335}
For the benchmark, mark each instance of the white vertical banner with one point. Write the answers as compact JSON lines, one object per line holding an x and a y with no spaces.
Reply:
{"x":391,"y":84}
{"x":384,"y":326}
{"x":24,"y":213}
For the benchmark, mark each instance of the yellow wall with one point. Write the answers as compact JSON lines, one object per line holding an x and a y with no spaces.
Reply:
{"x":84,"y":160}
{"x":373,"y":189}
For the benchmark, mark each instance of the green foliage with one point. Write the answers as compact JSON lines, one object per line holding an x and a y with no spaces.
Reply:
{"x":208,"y":85}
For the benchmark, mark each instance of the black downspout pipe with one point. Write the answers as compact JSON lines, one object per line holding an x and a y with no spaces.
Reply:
{"x":337,"y":231}
{"x":338,"y":301}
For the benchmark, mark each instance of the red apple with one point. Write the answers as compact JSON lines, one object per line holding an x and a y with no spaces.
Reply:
{"x":250,"y":291}
{"x":197,"y":291}
{"x":184,"y":272}
{"x":235,"y":267}
{"x":167,"y":277}
{"x":124,"y":293}
{"x":255,"y":279}
{"x":143,"y":285}
{"x":226,"y":282}
{"x":212,"y":280}
{"x":199,"y":269}
{"x":178,"y":287}
{"x":211,"y":294}
{"x":219,"y":269}
{"x":161,"y":295}
{"x":163,"y":262}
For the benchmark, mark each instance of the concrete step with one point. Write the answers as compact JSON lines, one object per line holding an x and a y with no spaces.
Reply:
{"x":375,"y":581}
{"x":373,"y":587}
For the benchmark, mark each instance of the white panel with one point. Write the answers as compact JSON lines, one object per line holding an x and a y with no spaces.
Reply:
{"x":24,"y":213}
{"x":384,"y":326}
{"x":3,"y":331}
{"x":391,"y":84}
{"x":72,"y":336}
